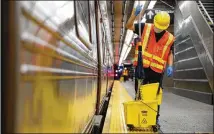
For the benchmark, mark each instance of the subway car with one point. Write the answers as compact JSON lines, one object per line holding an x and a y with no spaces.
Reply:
{"x":60,"y":66}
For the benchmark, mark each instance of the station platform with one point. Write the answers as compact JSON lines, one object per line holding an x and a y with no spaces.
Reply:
{"x":177,"y":114}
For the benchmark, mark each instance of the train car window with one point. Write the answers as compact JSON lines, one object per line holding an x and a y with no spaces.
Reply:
{"x":60,"y":18}
{"x":93,"y":29}
{"x":101,"y":37}
{"x":83,"y":10}
{"x":104,"y":43}
{"x":64,"y":18}
{"x":42,"y":6}
{"x":104,"y":46}
{"x":82,"y":22}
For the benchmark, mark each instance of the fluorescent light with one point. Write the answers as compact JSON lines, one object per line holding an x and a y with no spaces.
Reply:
{"x":129,"y":48}
{"x":128,"y":36}
{"x":125,"y":54}
{"x":151,"y":4}
{"x":126,"y":44}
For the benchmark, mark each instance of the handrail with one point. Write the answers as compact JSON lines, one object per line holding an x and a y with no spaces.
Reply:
{"x":210,"y":19}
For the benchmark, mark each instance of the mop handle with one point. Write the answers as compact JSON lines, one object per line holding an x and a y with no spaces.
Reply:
{"x":160,"y":82}
{"x":139,"y":25}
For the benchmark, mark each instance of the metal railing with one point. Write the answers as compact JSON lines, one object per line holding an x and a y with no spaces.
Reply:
{"x":210,"y":19}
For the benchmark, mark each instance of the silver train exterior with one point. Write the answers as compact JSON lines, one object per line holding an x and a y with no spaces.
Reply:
{"x":57,"y":65}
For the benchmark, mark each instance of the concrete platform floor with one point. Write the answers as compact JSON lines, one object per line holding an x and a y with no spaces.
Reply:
{"x":181,"y":115}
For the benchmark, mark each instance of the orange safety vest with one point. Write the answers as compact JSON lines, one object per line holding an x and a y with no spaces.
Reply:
{"x":125,"y":72}
{"x":155,"y":54}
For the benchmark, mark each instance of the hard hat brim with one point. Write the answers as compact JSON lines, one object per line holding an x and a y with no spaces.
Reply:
{"x":160,"y":27}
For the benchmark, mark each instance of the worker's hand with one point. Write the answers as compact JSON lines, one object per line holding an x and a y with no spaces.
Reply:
{"x":169,"y":71}
{"x":138,"y":9}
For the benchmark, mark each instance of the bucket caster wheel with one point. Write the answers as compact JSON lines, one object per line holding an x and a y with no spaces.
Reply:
{"x":130,"y":127}
{"x":154,"y":128}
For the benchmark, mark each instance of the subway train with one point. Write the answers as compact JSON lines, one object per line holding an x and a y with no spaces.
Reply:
{"x":61,"y":65}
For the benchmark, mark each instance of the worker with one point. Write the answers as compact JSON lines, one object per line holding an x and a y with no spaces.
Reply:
{"x":125,"y":74}
{"x":157,"y":47}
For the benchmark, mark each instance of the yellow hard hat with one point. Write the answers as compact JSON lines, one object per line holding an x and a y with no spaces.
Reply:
{"x":162,"y":20}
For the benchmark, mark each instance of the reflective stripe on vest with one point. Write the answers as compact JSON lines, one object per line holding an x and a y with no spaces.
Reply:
{"x":167,"y":44}
{"x":136,"y":54}
{"x":146,"y":36}
{"x":156,"y":66}
{"x":144,"y":43}
{"x":146,"y":62}
{"x":152,"y":64}
{"x":158,"y":59}
{"x":145,"y":54}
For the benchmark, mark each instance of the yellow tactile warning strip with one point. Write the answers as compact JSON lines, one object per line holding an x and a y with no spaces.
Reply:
{"x":115,"y":121}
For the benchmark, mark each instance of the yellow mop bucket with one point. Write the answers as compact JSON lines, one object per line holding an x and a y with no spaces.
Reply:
{"x":142,"y":113}
{"x":149,"y":91}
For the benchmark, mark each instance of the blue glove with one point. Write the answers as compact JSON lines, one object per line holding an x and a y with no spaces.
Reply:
{"x":138,"y":9}
{"x":169,"y":71}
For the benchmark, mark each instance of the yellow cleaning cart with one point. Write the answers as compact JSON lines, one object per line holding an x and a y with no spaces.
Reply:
{"x":141,"y":114}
